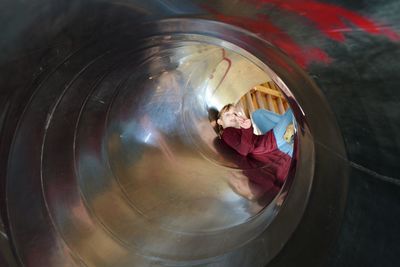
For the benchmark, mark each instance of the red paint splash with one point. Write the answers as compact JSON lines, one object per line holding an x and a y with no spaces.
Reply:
{"x":224,"y":58}
{"x":331,"y":20}
{"x":262,"y":25}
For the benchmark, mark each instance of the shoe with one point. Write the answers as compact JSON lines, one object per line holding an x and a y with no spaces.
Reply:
{"x":289,"y":134}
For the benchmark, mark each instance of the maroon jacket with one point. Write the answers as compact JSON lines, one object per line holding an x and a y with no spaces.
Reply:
{"x":262,"y":148}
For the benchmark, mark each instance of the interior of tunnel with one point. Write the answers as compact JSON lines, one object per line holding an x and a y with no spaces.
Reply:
{"x":111,"y":155}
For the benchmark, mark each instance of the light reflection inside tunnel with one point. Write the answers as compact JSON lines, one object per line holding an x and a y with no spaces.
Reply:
{"x":147,"y":138}
{"x":168,"y":171}
{"x":171,"y":126}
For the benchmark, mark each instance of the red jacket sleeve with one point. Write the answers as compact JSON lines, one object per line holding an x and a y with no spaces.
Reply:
{"x":239,"y":139}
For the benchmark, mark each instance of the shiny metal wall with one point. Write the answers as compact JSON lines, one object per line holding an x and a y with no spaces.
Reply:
{"x":108,"y":158}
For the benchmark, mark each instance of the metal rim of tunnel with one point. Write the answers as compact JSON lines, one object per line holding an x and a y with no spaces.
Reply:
{"x":302,"y":95}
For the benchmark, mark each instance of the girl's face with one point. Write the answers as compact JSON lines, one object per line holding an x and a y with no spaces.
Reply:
{"x":229,"y":119}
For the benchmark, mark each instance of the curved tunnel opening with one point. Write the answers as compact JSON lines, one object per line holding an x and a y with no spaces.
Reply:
{"x":157,"y":156}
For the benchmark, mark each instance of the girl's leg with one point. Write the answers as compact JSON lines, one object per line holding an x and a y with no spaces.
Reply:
{"x":279,"y":131}
{"x":265,"y":120}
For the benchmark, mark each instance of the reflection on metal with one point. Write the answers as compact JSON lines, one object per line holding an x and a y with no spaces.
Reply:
{"x":260,"y":100}
{"x":249,"y":102}
{"x":281,"y":108}
{"x":7,"y":258}
{"x":232,"y":78}
{"x":116,"y":164}
{"x":263,"y":96}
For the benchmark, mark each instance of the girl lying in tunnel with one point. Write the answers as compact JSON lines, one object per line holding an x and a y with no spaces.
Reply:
{"x":250,"y":180}
{"x":273,"y":149}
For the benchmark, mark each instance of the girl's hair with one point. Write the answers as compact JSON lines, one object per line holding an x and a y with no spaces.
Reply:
{"x":219,"y":129}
